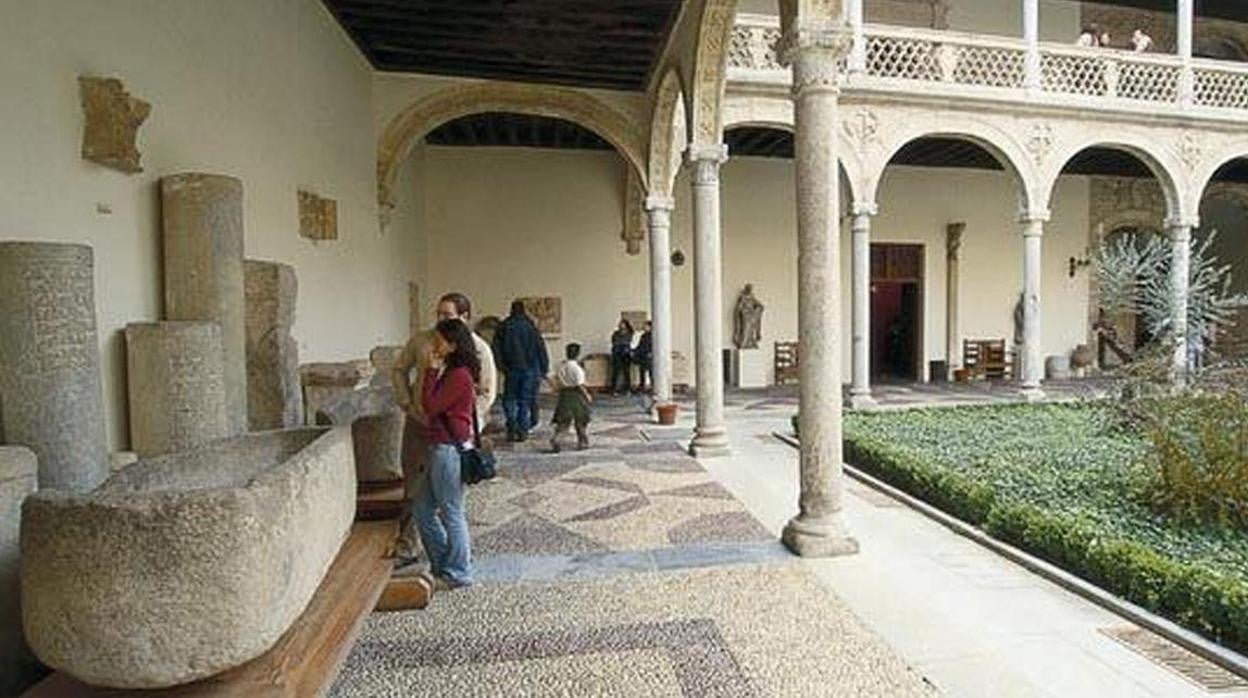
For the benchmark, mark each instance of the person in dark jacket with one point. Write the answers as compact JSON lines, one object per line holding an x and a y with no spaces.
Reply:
{"x":643,"y":355}
{"x":521,"y":354}
{"x":622,"y":358}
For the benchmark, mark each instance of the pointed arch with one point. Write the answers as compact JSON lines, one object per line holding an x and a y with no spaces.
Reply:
{"x":668,"y":134}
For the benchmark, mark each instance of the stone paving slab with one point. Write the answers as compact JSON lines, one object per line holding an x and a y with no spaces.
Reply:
{"x":737,"y":631}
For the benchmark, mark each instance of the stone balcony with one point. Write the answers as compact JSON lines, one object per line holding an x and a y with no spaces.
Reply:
{"x":927,"y":64}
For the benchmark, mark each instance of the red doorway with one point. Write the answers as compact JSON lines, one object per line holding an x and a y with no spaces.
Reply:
{"x":896,"y":312}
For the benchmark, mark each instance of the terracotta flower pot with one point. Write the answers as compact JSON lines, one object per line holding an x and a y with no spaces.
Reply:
{"x":667,"y":413}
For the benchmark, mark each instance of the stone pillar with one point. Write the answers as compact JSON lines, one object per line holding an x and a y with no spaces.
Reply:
{"x":1031,"y":34}
{"x":858,"y":51}
{"x":1180,"y":281}
{"x":1184,"y":36}
{"x":18,"y":476}
{"x":274,"y":395}
{"x":50,"y":364}
{"x":175,"y":373}
{"x":860,"y":389}
{"x":818,"y":529}
{"x":710,"y":436}
{"x":659,"y":217}
{"x":1032,"y":369}
{"x":203,"y":249}
{"x":953,"y":249}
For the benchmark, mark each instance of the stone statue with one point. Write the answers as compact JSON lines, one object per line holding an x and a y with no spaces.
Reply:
{"x":1019,"y":315}
{"x":747,"y":320}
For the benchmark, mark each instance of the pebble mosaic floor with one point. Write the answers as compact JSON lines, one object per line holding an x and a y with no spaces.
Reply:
{"x":623,"y":570}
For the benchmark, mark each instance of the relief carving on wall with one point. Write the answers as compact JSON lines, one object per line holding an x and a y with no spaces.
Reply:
{"x":1040,"y":142}
{"x":546,"y":312}
{"x":318,"y":217}
{"x":112,"y":121}
{"x":862,"y":127}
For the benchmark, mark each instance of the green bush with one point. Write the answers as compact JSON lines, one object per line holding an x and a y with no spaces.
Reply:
{"x":1062,"y":483}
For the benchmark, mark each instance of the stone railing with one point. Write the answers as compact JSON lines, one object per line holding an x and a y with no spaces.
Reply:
{"x":898,"y":58}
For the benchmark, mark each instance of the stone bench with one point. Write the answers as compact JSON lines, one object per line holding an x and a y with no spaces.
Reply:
{"x":184,"y":566}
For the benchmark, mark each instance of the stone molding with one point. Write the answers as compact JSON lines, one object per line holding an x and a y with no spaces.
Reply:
{"x":668,"y":131}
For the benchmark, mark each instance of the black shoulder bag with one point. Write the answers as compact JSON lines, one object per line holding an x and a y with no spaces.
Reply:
{"x":476,"y":463}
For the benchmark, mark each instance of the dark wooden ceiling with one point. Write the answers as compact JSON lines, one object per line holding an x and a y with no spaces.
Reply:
{"x":516,"y":130}
{"x":583,"y":43}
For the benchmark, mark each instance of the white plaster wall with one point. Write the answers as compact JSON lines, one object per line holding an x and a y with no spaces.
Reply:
{"x":512,"y":222}
{"x":271,"y":92}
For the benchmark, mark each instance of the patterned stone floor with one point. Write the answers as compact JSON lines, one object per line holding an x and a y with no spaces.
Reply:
{"x":623,"y":570}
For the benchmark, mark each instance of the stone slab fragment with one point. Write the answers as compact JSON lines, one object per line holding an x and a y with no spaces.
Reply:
{"x":274,"y":397}
{"x":111,"y":121}
{"x":18,"y":478}
{"x":175,"y":373}
{"x":203,"y":261}
{"x":49,"y":362}
{"x":183,"y":566}
{"x":376,"y":431}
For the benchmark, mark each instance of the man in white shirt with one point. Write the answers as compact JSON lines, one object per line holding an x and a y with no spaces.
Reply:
{"x":574,"y":400}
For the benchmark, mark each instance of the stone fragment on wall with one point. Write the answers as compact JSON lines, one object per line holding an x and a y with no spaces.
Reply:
{"x":318,"y":217}
{"x":176,"y":378}
{"x":112,"y":118}
{"x":634,"y":214}
{"x":18,"y":477}
{"x":203,"y":259}
{"x":274,"y":395}
{"x":546,"y":312}
{"x":49,"y":362}
{"x":324,"y":383}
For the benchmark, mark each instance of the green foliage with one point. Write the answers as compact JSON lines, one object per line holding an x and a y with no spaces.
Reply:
{"x":1065,"y":483}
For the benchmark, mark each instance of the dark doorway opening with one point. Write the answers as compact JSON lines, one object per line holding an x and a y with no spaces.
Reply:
{"x":896,"y":312}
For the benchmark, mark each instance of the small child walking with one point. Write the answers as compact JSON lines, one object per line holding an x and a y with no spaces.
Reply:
{"x":574,"y":400}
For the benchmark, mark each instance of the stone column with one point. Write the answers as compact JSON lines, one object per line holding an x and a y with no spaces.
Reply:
{"x":175,"y":373}
{"x":274,"y":395}
{"x":819,"y":528}
{"x":1031,"y":34}
{"x":18,"y":476}
{"x":659,"y":217}
{"x":1032,"y":369}
{"x":710,"y":436}
{"x":858,"y":51}
{"x":1180,"y":281}
{"x":203,"y":249}
{"x":1184,"y":36}
{"x":953,"y":248}
{"x":50,"y":390}
{"x":860,"y":390}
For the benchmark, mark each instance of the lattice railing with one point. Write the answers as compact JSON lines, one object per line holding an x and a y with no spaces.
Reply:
{"x":897,"y":55}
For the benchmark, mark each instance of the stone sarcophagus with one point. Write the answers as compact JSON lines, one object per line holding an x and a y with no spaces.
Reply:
{"x":183,"y":566}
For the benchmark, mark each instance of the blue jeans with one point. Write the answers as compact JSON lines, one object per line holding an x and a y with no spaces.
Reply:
{"x":520,"y":399}
{"x":445,"y":537}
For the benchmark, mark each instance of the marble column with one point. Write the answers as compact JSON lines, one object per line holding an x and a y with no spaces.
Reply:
{"x":1180,"y":281}
{"x":176,"y":377}
{"x":710,"y":436}
{"x":855,"y":11}
{"x":819,"y":529}
{"x":860,"y":389}
{"x":50,"y":390}
{"x":659,"y":217}
{"x":1184,"y":38}
{"x":1031,"y":34}
{"x":203,"y":260}
{"x":1031,"y":357}
{"x":953,"y":249}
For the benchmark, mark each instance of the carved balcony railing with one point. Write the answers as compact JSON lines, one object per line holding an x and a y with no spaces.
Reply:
{"x":901,"y":59}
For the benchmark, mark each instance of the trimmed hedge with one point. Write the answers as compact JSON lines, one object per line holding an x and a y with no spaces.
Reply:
{"x":1191,"y":593}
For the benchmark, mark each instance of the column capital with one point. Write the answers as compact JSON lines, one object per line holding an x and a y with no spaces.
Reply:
{"x":865,"y":208}
{"x":1036,"y":215}
{"x":655,"y":202}
{"x":706,"y":159}
{"x":1187,"y":224}
{"x":817,"y":59}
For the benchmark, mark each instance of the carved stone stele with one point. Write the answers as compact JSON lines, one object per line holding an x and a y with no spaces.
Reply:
{"x":274,"y":395}
{"x":50,"y":388}
{"x":175,"y":374}
{"x":18,"y":475}
{"x":203,"y":259}
{"x":111,"y":123}
{"x":318,"y":217}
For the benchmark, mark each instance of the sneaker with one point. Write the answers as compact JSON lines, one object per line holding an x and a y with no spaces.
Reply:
{"x":443,"y":583}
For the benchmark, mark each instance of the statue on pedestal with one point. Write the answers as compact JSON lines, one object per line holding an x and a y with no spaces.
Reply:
{"x":747,"y":320}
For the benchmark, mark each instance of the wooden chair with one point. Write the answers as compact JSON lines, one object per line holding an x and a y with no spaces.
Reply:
{"x":786,"y":362}
{"x":986,"y":358}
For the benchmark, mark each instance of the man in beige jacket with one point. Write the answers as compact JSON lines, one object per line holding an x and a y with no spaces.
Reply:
{"x":407,"y":377}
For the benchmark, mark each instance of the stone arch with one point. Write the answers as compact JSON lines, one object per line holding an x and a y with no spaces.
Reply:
{"x":1159,"y":162}
{"x":996,"y":142}
{"x":668,"y":134}
{"x":710,"y":71}
{"x":1202,"y":178}
{"x":407,"y":127}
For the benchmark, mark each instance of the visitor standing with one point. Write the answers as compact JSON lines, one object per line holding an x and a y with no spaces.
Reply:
{"x":1141,"y":42}
{"x":520,"y":349}
{"x":448,"y":400}
{"x":643,"y":355}
{"x":574,"y":400}
{"x":1087,"y":37}
{"x":622,"y":357}
{"x":407,"y":379}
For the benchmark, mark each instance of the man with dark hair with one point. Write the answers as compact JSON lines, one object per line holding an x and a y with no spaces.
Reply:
{"x":521,"y":352}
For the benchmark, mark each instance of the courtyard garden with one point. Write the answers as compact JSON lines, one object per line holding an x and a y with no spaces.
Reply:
{"x":1145,"y":497}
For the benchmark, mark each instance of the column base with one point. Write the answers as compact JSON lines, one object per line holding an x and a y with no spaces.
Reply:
{"x":825,"y":537}
{"x":710,"y":443}
{"x":1032,"y":393}
{"x":862,"y":400}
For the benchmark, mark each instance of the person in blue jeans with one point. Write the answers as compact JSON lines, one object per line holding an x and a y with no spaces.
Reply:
{"x":448,"y":397}
{"x":520,"y":351}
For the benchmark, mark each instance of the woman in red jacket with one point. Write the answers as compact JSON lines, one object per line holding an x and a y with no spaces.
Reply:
{"x":449,"y":398}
